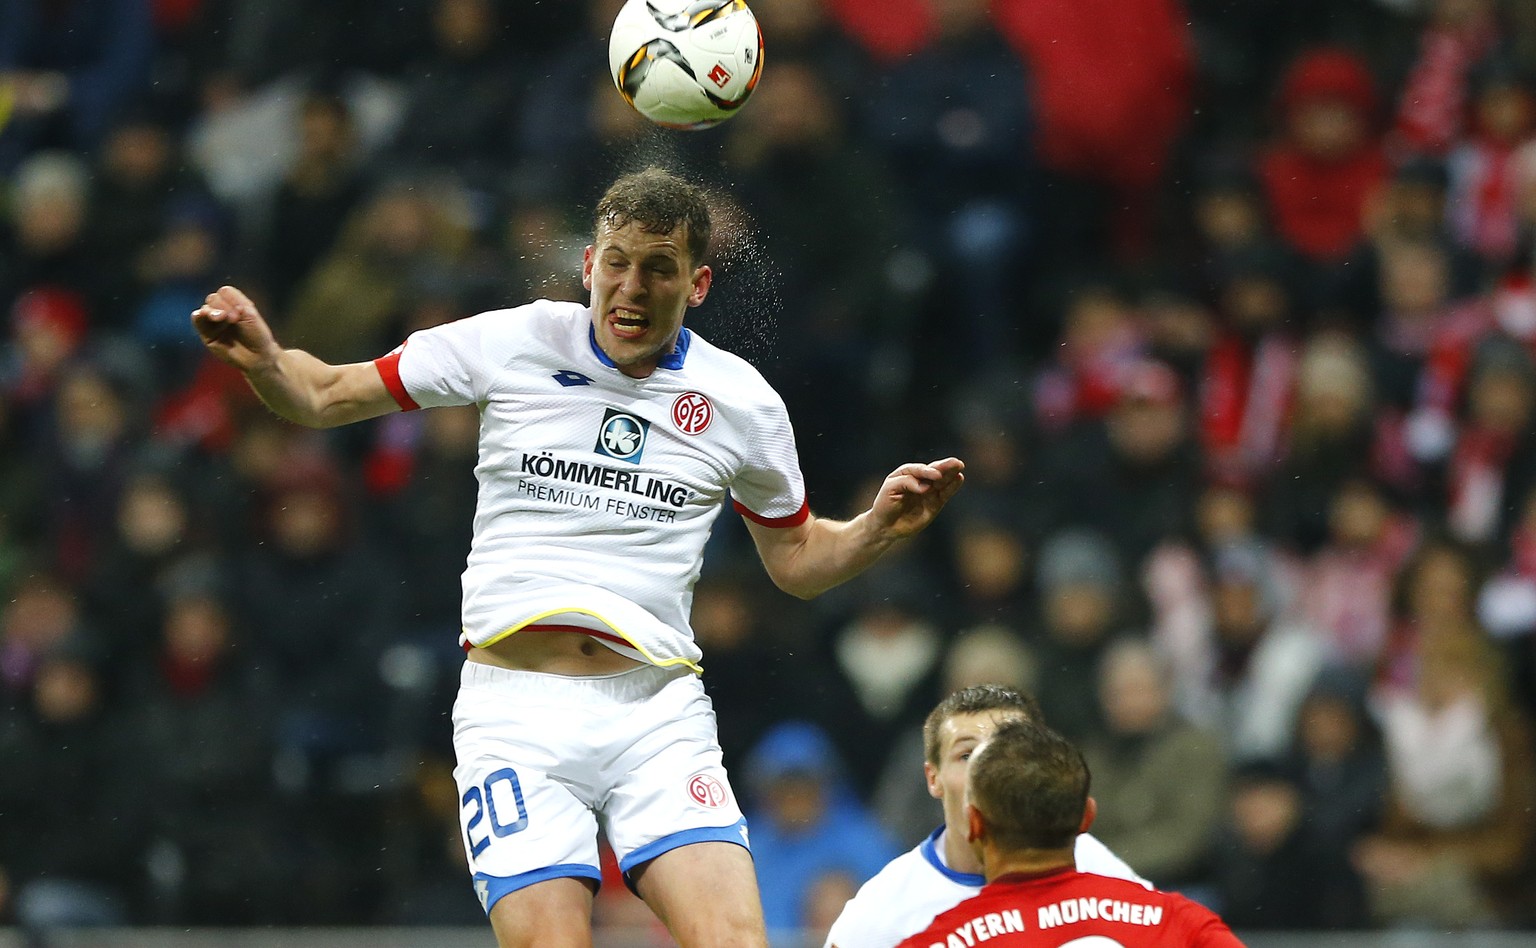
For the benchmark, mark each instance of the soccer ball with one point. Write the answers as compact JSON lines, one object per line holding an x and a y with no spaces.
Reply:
{"x":686,"y":63}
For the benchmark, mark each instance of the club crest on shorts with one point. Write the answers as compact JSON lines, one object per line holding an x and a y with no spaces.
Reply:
{"x":692,"y":413}
{"x":706,"y":791}
{"x":622,"y":436}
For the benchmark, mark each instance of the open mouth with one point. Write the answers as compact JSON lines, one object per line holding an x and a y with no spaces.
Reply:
{"x":627,"y":324}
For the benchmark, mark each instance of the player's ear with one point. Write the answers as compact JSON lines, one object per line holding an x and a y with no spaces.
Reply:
{"x":1090,"y":813}
{"x":586,"y":267}
{"x":976,"y":825}
{"x":702,"y":278}
{"x":931,"y":774}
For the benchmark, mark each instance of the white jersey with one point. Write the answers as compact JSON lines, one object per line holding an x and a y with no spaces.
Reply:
{"x":597,"y":490}
{"x":903,"y":898}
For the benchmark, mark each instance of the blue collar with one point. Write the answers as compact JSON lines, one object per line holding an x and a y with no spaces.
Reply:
{"x":672,"y":360}
{"x":930,"y":851}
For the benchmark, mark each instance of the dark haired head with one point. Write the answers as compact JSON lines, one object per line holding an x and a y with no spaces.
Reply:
{"x":1030,"y":786}
{"x":974,"y":700}
{"x":658,"y":201}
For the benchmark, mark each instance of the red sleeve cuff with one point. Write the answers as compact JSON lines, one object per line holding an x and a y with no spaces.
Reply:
{"x":793,"y":520}
{"x":389,"y":371}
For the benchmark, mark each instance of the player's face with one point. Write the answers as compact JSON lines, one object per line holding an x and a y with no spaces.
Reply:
{"x":641,"y":284}
{"x":959,"y":736}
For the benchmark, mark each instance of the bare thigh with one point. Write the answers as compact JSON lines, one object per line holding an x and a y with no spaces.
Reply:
{"x":706,"y":895}
{"x":556,"y":913}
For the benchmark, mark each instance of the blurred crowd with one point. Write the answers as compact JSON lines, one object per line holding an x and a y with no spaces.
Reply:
{"x":1229,"y":306}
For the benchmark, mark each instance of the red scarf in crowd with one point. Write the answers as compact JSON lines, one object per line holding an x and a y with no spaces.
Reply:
{"x":1476,"y":489}
{"x":1245,"y":401}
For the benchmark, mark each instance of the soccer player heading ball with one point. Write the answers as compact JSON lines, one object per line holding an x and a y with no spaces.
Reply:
{"x":610,"y":437}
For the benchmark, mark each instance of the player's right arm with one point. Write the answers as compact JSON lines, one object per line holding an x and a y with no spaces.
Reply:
{"x":291,"y":382}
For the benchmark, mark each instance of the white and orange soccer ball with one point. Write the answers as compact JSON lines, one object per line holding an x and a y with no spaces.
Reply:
{"x":686,"y":64}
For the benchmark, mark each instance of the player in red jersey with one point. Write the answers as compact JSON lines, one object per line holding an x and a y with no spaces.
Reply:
{"x":1027,"y":801}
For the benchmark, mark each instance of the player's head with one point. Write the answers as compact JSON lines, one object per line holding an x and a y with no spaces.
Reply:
{"x":954,"y":729}
{"x":977,"y":699}
{"x":659,"y":202}
{"x":1027,"y":790}
{"x":645,"y":266}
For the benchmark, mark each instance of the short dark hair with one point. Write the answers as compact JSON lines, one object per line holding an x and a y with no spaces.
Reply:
{"x":974,"y":700}
{"x":658,"y":201}
{"x":1031,"y":786}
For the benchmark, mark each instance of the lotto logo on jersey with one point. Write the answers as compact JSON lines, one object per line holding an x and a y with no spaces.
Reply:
{"x":622,"y":436}
{"x":706,"y":791}
{"x":692,"y":413}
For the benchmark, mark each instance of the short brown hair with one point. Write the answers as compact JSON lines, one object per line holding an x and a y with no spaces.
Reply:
{"x":974,"y":700}
{"x":1031,"y":786}
{"x":658,"y":201}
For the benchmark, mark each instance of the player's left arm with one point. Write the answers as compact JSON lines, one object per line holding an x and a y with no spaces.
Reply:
{"x":808,"y":559}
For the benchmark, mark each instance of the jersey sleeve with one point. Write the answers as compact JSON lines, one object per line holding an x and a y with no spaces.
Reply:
{"x":1200,"y":927}
{"x":443,"y":365}
{"x":861,"y":924}
{"x":770,"y":490}
{"x":1095,"y":857}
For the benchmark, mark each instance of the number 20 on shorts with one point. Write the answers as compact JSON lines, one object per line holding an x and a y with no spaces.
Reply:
{"x":483,"y":800}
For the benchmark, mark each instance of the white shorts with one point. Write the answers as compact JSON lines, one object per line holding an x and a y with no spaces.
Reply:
{"x":546,"y":761}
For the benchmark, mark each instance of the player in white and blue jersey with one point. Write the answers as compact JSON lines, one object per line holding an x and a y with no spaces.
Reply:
{"x":943,"y":870}
{"x":610,"y":437}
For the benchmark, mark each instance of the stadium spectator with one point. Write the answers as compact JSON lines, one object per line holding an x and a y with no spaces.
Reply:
{"x":1134,"y":476}
{"x":956,"y":120}
{"x":992,"y":573}
{"x":1082,"y":603}
{"x":320,"y":604}
{"x":1493,"y":458}
{"x":39,"y":617}
{"x":199,"y":730}
{"x":69,"y":67}
{"x":884,"y":663}
{"x":1337,"y":764}
{"x":1435,"y":596}
{"x":153,"y":546}
{"x":1248,"y":381}
{"x":1334,"y":435}
{"x":1262,"y":874}
{"x":1432,"y":110}
{"x":1326,"y":160}
{"x":808,"y":828}
{"x":1487,"y":172}
{"x":1161,"y":781}
{"x":87,"y":454}
{"x":44,"y":247}
{"x":352,"y":303}
{"x":1243,"y":672}
{"x":460,"y":93}
{"x":1453,"y":849}
{"x":139,"y":174}
{"x":1101,"y":349}
{"x":1346,"y":586}
{"x":315,"y":198}
{"x":68,"y":844}
{"x":48,"y":331}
